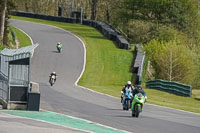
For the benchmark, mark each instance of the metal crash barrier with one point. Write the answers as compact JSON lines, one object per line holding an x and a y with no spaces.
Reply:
{"x":171,"y":87}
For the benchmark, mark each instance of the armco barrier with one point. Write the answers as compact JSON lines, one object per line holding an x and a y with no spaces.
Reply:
{"x":42,"y":16}
{"x":171,"y":87}
{"x":102,"y":27}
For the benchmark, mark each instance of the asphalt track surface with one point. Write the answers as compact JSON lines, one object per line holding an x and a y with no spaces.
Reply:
{"x":67,"y":98}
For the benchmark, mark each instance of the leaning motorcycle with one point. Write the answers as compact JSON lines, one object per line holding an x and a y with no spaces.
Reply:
{"x":52,"y":80}
{"x":137,"y":104}
{"x":127,"y":101}
{"x":59,"y":48}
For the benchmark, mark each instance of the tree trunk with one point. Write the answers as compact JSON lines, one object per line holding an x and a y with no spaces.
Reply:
{"x":93,"y":4}
{"x":26,"y":6}
{"x":3,"y":15}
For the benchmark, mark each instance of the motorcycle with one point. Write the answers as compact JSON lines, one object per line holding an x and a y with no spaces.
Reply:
{"x":52,"y":79}
{"x":127,"y":101}
{"x":59,"y":48}
{"x":137,"y":104}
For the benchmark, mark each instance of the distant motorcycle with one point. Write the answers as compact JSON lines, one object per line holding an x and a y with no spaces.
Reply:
{"x":52,"y":79}
{"x":59,"y":48}
{"x":127,"y":101}
{"x":137,"y":104}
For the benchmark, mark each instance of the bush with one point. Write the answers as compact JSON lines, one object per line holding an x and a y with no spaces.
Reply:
{"x":171,"y":61}
{"x":141,"y":31}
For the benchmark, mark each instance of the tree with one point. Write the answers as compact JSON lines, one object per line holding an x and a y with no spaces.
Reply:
{"x":181,"y":14}
{"x":5,"y":5}
{"x":171,"y":61}
{"x":3,"y":18}
{"x":93,"y":4}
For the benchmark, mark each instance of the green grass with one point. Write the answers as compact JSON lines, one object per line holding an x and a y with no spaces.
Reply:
{"x":107,"y":68}
{"x":161,"y":98}
{"x":21,"y":37}
{"x":11,"y":40}
{"x":2,"y":46}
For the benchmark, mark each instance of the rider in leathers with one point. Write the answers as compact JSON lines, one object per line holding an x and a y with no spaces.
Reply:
{"x":127,"y":88}
{"x":137,"y":90}
{"x":53,"y":73}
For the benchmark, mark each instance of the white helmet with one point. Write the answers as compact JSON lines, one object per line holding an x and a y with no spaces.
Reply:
{"x":129,"y":83}
{"x":54,"y":72}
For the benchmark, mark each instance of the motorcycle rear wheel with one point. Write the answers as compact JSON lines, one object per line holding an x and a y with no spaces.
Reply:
{"x":133,"y":114}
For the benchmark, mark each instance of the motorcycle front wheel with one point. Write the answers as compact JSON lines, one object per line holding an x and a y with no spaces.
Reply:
{"x":51,"y":82}
{"x":137,"y":110}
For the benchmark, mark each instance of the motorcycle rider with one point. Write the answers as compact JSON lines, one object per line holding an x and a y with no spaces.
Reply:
{"x":53,"y":73}
{"x":59,"y":44}
{"x":127,"y":88}
{"x":137,"y":90}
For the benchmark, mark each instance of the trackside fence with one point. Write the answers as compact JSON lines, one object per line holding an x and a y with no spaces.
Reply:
{"x":171,"y":87}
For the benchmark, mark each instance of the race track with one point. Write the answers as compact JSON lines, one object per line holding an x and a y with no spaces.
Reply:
{"x":66,"y":98}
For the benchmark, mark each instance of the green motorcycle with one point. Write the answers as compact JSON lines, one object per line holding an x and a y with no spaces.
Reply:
{"x":59,"y":48}
{"x":137,"y":104}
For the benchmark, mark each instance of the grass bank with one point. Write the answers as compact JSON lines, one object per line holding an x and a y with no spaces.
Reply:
{"x":107,"y":68}
{"x":161,"y":98}
{"x":23,"y":39}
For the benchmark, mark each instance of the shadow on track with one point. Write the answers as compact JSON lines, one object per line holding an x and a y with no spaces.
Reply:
{"x":116,"y":109}
{"x":54,"y":51}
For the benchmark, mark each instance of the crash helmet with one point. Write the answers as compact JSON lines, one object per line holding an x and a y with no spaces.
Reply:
{"x":139,"y":88}
{"x":58,"y":43}
{"x":128,"y":83}
{"x":54,"y":73}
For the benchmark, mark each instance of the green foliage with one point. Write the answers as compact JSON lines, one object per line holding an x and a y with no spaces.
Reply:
{"x":141,"y":31}
{"x":2,"y":46}
{"x":169,"y":33}
{"x":182,"y":15}
{"x":48,"y":7}
{"x":140,"y":20}
{"x":196,"y":61}
{"x":5,"y":6}
{"x":171,"y":61}
{"x":166,"y":33}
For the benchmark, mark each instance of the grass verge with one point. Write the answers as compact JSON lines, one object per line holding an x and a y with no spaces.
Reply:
{"x":23,"y":39}
{"x":161,"y":98}
{"x":107,"y":68}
